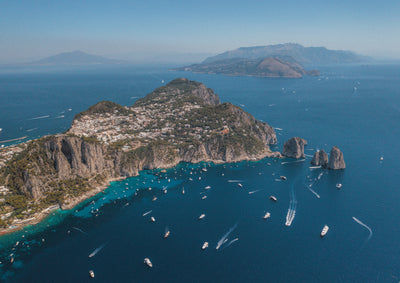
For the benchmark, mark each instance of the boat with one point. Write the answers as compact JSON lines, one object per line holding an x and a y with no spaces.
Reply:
{"x":267,"y":215}
{"x":203,"y":197}
{"x":91,"y":273}
{"x":339,"y":185}
{"x":324,"y":230}
{"x":154,"y":199}
{"x":183,"y":191}
{"x":1,"y":129}
{"x":205,"y":245}
{"x":273,"y":198}
{"x":204,"y":169}
{"x":283,"y":178}
{"x":207,"y":188}
{"x":152,"y":219}
{"x":148,"y":262}
{"x":240,"y":185}
{"x":166,"y":234}
{"x":202,"y":216}
{"x":381,"y":156}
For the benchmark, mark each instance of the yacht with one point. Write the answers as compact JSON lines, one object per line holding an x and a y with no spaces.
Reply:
{"x":1,"y":129}
{"x":240,"y":185}
{"x":267,"y":215}
{"x":204,"y":169}
{"x":91,"y":273}
{"x":148,"y":262}
{"x":283,"y":178}
{"x":183,"y":191}
{"x":202,"y":216}
{"x":273,"y":198}
{"x":203,"y":197}
{"x":152,"y":219}
{"x":207,"y":188}
{"x":154,"y":199}
{"x":339,"y":185}
{"x":205,"y":245}
{"x":166,"y":234}
{"x":324,"y":230}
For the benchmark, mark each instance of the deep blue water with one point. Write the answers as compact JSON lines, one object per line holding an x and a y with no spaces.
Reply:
{"x":355,"y":108}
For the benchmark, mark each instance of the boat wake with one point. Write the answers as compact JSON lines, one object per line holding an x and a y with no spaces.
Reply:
{"x":234,"y":181}
{"x":231,"y":242}
{"x":365,"y":226}
{"x":225,"y":237}
{"x":314,"y":192}
{"x":289,"y":162}
{"x":144,"y":214}
{"x":80,"y":230}
{"x":97,"y":250}
{"x":252,"y":192}
{"x":315,"y":167}
{"x":292,"y":207}
{"x":40,"y":117}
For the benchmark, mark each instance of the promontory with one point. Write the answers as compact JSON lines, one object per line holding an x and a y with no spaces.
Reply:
{"x":183,"y":121}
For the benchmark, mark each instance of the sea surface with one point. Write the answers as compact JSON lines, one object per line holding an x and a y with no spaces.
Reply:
{"x":356,"y":108}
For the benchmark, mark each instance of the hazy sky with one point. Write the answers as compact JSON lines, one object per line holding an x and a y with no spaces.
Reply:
{"x":31,"y":29}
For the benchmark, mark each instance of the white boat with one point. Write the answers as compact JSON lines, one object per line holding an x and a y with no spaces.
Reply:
{"x":148,"y":262}
{"x":203,"y":197}
{"x":381,"y":156}
{"x":283,"y":178}
{"x":204,"y":169}
{"x":240,"y":185}
{"x":339,"y":185}
{"x":324,"y":230}
{"x":205,"y":245}
{"x":1,"y":129}
{"x":166,"y":234}
{"x":183,"y":191}
{"x":154,"y":199}
{"x":273,"y":198}
{"x":202,"y":216}
{"x":207,"y":188}
{"x":91,"y":273}
{"x":152,"y":219}
{"x":267,"y":215}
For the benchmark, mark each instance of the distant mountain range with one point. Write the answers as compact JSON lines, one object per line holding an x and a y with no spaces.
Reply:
{"x":76,"y":58}
{"x":303,"y":55}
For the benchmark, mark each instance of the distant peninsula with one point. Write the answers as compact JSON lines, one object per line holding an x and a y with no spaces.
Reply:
{"x":270,"y":67}
{"x":75,"y":58}
{"x":281,"y":60}
{"x":183,"y":121}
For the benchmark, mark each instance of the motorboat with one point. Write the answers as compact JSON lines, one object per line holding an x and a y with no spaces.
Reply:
{"x":166,"y":234}
{"x":273,"y":198}
{"x":148,"y":262}
{"x":205,"y":245}
{"x":339,"y":186}
{"x":283,"y":178}
{"x":324,"y":230}
{"x":152,"y":219}
{"x":202,"y":216}
{"x":267,"y":215}
{"x":91,"y":273}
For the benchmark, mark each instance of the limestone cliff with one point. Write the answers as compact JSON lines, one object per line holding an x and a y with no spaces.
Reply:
{"x":182,"y":121}
{"x":320,"y":158}
{"x":294,"y":148}
{"x":336,"y":159}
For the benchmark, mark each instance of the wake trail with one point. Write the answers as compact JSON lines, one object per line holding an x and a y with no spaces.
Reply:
{"x":41,"y":117}
{"x":289,"y":162}
{"x":314,"y":192}
{"x":80,"y":230}
{"x":97,"y":250}
{"x":231,"y":242}
{"x":150,"y":211}
{"x":225,"y":236}
{"x":365,"y":226}
{"x":292,"y":207}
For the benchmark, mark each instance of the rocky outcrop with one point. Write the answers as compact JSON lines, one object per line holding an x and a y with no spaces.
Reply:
{"x":336,"y":160}
{"x":294,"y":148}
{"x":320,"y":158}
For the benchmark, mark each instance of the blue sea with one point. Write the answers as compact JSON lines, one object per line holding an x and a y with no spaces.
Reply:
{"x":356,"y":108}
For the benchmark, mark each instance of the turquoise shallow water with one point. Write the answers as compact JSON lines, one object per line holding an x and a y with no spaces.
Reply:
{"x":355,"y":108}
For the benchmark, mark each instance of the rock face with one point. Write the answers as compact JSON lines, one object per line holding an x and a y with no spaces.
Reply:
{"x":336,"y":160}
{"x":320,"y":158}
{"x":294,"y":148}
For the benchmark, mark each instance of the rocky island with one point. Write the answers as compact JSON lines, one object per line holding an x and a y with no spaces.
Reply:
{"x":183,"y":121}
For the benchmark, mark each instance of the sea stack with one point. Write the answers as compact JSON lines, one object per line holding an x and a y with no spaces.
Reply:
{"x":320,"y":158}
{"x":294,"y":148}
{"x":336,"y":160}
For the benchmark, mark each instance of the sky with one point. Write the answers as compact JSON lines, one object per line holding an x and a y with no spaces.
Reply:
{"x":145,"y":29}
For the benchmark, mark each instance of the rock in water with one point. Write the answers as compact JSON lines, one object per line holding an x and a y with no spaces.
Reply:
{"x":294,"y":148}
{"x":320,"y":158}
{"x":336,"y":160}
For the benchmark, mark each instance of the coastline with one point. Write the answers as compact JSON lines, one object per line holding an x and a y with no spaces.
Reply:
{"x":72,"y":203}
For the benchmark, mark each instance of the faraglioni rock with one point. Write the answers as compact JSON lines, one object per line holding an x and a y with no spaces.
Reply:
{"x":336,"y":160}
{"x":294,"y":148}
{"x":320,"y":158}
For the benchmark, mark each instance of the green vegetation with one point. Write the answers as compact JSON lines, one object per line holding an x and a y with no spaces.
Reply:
{"x":104,"y":107}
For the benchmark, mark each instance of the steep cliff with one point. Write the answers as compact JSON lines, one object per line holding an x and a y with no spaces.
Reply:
{"x":182,"y":121}
{"x":336,"y":159}
{"x":294,"y":148}
{"x":320,"y":158}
